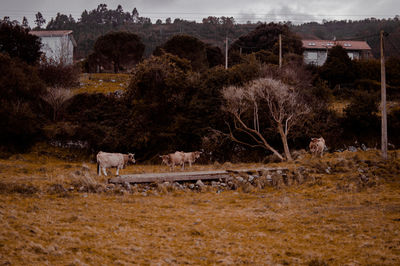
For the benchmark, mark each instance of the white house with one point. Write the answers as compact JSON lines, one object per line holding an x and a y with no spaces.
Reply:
{"x":316,"y":51}
{"x":57,"y":45}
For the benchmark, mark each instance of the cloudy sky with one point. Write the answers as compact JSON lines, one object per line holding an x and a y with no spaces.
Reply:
{"x":297,"y":11}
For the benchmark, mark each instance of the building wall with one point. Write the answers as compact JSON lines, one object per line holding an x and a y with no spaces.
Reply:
{"x":58,"y":48}
{"x":318,"y":57}
{"x":315,"y":57}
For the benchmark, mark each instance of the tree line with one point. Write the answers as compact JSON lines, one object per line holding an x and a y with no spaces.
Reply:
{"x":213,"y":30}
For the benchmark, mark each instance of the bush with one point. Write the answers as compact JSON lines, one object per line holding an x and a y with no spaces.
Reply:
{"x":18,"y":43}
{"x":59,"y":74}
{"x":394,"y":127}
{"x":20,"y":91}
{"x":367,"y":85}
{"x":361,"y":121}
{"x":104,"y":122}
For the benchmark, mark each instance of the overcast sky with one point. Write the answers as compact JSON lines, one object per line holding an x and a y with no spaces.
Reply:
{"x":298,"y":12}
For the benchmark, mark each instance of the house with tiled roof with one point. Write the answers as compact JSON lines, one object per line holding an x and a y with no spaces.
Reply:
{"x":316,"y":51}
{"x":57,"y":45}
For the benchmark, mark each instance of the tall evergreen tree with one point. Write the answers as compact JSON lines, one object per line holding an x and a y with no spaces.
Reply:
{"x":39,"y":20}
{"x":120,"y":48}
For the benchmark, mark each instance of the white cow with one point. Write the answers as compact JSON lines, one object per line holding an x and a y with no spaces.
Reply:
{"x":317,"y":146}
{"x":113,"y":160}
{"x":172,"y":159}
{"x":190,"y":157}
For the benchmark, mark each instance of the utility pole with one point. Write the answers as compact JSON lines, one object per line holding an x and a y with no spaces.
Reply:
{"x":280,"y":50}
{"x":384,"y":139}
{"x":226,"y":53}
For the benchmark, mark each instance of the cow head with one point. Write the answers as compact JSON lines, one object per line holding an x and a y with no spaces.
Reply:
{"x":131,"y":158}
{"x":197,"y":154}
{"x":165,"y":159}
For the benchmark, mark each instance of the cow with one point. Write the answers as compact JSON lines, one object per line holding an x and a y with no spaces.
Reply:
{"x":172,"y":159}
{"x":113,"y":160}
{"x":190,"y":157}
{"x":317,"y":146}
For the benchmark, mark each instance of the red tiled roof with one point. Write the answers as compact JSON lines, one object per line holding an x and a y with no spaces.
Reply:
{"x":50,"y":33}
{"x":323,"y":44}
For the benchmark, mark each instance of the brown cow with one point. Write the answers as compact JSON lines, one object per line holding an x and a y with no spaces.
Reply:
{"x":172,"y":159}
{"x":190,"y":157}
{"x":317,"y":146}
{"x":113,"y":160}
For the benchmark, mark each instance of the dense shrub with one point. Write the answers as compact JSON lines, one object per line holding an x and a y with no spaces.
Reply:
{"x":338,"y":68}
{"x":58,"y":74}
{"x":101,"y":121}
{"x":361,"y":121}
{"x":186,"y":47}
{"x":265,"y":37}
{"x":20,"y":91}
{"x":122,"y":49}
{"x":18,"y":43}
{"x":394,"y":127}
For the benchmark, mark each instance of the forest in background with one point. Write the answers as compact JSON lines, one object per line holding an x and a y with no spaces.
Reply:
{"x":212,"y":30}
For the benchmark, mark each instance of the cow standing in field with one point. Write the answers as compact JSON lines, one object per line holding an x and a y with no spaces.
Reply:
{"x":317,"y":146}
{"x":172,"y":159}
{"x":113,"y":160}
{"x":190,"y":157}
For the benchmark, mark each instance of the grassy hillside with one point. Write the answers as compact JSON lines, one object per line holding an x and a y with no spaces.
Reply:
{"x":345,"y":210}
{"x":102,"y":82}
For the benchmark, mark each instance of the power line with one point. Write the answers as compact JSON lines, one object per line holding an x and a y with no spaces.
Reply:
{"x":361,"y":37}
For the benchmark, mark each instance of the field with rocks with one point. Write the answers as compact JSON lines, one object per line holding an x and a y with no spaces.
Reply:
{"x":342,"y":209}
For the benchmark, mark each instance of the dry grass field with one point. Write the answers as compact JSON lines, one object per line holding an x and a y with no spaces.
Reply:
{"x":346,"y":212}
{"x":102,"y":82}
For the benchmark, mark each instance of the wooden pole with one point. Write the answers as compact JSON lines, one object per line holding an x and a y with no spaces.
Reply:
{"x":280,"y":50}
{"x":226,"y":53}
{"x":384,"y":139}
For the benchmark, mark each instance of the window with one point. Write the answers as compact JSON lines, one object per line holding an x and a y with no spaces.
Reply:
{"x":311,"y":43}
{"x":347,"y":44}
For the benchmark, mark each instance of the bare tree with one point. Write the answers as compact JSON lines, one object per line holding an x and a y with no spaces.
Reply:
{"x":275,"y":98}
{"x":56,"y":98}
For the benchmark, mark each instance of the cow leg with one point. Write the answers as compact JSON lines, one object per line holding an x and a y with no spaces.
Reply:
{"x":117,"y":170}
{"x":104,"y":171}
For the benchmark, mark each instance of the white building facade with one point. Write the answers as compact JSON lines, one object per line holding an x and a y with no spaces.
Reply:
{"x":316,"y":51}
{"x":57,"y":46}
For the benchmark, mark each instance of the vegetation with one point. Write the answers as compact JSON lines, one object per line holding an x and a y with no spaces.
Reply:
{"x":192,"y":49}
{"x":265,"y":97}
{"x":20,"y":115}
{"x":173,"y":100}
{"x":57,"y":211}
{"x":53,"y":120}
{"x":119,"y":48}
{"x":18,"y":43}
{"x":213,"y":30}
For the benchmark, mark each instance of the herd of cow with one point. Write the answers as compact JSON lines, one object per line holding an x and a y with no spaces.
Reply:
{"x":118,"y":160}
